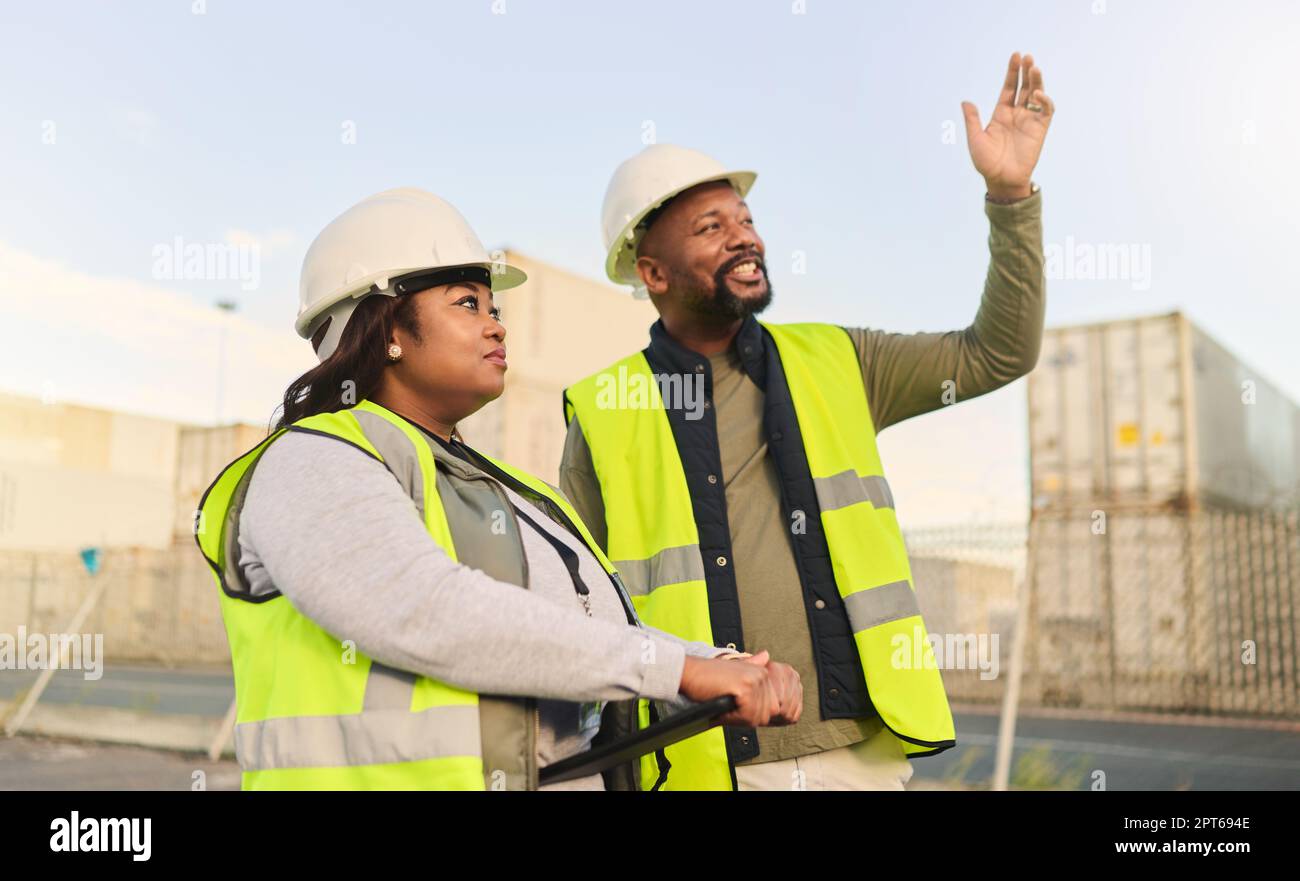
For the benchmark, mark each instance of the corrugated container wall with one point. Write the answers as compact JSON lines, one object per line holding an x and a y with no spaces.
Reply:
{"x":1156,"y":610}
{"x":1164,"y":553}
{"x":1153,"y":412}
{"x":1247,"y":432}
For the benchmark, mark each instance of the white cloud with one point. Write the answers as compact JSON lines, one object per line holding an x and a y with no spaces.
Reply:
{"x":126,"y":345}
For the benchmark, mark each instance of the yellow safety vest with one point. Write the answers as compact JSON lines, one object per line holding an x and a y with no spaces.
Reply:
{"x":652,"y":536}
{"x":310,"y":713}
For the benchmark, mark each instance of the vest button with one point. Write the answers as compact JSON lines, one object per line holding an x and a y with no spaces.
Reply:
{"x":713,"y":478}
{"x":699,"y":368}
{"x":722,"y":561}
{"x":821,"y":604}
{"x":744,"y":738}
{"x":708,"y":404}
{"x":834,"y":692}
{"x":732,"y":646}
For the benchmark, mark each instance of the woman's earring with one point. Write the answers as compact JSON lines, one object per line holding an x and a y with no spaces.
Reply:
{"x":394,"y":352}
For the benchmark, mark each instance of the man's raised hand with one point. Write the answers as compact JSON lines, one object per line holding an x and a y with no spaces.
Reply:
{"x":1006,"y":152}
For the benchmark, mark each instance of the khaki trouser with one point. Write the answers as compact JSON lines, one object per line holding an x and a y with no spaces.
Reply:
{"x":875,"y":763}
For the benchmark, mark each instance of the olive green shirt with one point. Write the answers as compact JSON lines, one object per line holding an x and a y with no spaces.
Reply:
{"x":904,"y":375}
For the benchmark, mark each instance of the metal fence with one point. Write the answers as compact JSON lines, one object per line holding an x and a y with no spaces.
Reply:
{"x":1166,"y":610}
{"x":158,"y":606}
{"x":1131,"y":609}
{"x":967,"y":581}
{"x":1134,"y":609}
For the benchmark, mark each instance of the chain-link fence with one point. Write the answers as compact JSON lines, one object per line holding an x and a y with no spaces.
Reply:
{"x":1146,"y":610}
{"x":967,"y":580}
{"x":1165,"y":610}
{"x":158,"y":605}
{"x":1133,"y":609}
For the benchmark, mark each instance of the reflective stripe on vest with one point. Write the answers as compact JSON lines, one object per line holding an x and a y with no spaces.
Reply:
{"x":373,"y":737}
{"x":312,"y":714}
{"x":641,"y":479}
{"x":669,"y":566}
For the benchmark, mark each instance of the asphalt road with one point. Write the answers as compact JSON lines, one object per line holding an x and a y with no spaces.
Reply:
{"x":205,"y":692}
{"x":1066,"y":753}
{"x":36,"y":763}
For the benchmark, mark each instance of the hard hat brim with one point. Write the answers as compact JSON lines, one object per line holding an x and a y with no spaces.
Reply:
{"x":503,"y":276}
{"x":618,"y":267}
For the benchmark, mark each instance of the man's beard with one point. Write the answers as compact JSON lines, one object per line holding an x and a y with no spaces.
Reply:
{"x":720,"y":302}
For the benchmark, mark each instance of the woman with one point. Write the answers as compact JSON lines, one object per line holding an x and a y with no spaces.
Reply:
{"x":371,"y":564}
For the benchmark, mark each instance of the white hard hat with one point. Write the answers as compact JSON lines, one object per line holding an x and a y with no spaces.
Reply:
{"x":642,"y":184}
{"x":378,"y":241}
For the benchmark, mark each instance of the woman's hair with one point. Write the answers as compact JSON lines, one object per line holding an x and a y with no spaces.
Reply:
{"x":351,"y":374}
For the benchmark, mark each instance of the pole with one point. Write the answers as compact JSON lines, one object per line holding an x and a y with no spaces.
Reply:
{"x":1011,"y":698}
{"x":223,"y":734}
{"x":16,"y":721}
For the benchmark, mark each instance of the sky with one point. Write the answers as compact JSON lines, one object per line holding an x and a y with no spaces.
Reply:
{"x":132,"y":130}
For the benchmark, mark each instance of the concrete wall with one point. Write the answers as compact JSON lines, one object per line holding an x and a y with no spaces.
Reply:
{"x":201,"y":455}
{"x":73,"y":476}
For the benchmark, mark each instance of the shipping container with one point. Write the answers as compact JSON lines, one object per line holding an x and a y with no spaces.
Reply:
{"x":1152,"y":609}
{"x":1153,"y":412}
{"x":1164,"y":555}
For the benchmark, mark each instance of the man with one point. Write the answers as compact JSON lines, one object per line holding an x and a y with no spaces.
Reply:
{"x":767,"y":503}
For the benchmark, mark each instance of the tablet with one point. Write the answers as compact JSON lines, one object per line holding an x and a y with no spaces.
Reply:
{"x":666,"y":732}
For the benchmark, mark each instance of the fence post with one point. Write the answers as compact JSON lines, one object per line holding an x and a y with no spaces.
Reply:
{"x":223,"y":734}
{"x":16,"y":721}
{"x":1011,"y":697}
